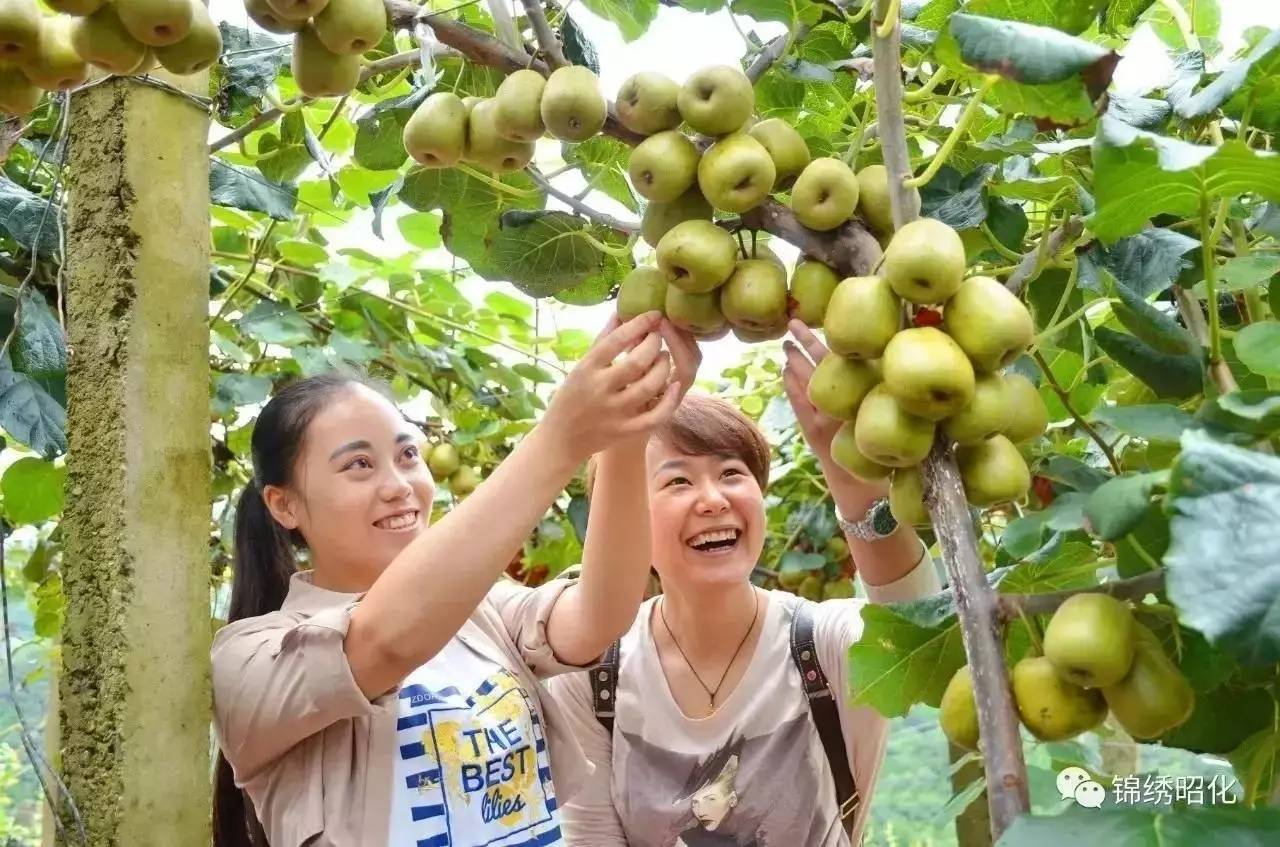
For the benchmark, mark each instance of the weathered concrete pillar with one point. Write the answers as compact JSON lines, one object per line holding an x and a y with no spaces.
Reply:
{"x":134,"y":688}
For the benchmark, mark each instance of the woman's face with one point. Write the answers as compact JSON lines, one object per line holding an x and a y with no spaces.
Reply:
{"x":707,"y":517}
{"x":711,"y":805}
{"x":361,"y":491}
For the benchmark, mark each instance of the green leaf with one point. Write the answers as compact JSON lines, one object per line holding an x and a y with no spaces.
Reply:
{"x":1223,"y":718}
{"x":28,"y":218}
{"x":1157,"y":328}
{"x":232,"y":390}
{"x":1142,"y":826}
{"x":247,"y":69}
{"x":1255,"y":411}
{"x":1257,"y":761}
{"x":1030,"y":54}
{"x":39,"y":348}
{"x":1071,"y":16}
{"x":632,"y":17}
{"x":1205,"y":21}
{"x":1123,"y":13}
{"x":32,"y":490}
{"x":1073,"y":472}
{"x":1117,"y":506}
{"x":29,"y":414}
{"x":1258,"y":346}
{"x":241,"y":188}
{"x":302,"y":253}
{"x":896,"y":663}
{"x":1073,"y":566}
{"x":1063,"y":104}
{"x":794,"y":560}
{"x":421,"y":229}
{"x":1138,"y":175}
{"x":578,"y":48}
{"x":1223,"y":573}
{"x":1245,"y":78}
{"x":272,"y":323}
{"x":542,"y":253}
{"x":380,"y":139}
{"x":957,"y":200}
{"x":1242,"y":273}
{"x":1169,"y":376}
{"x":603,"y":161}
{"x":789,"y":12}
{"x":1156,"y":422}
{"x":1145,"y":263}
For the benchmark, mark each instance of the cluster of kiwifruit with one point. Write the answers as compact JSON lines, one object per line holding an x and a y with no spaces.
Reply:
{"x":1096,"y":658}
{"x":40,"y":52}
{"x":329,"y":38}
{"x":445,"y":463}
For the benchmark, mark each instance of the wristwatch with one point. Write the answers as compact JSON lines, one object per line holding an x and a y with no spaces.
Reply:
{"x":877,"y":523}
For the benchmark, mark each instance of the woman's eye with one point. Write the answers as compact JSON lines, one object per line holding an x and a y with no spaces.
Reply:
{"x":359,"y":462}
{"x":412,"y":453}
{"x":678,"y":480}
{"x":731,"y":472}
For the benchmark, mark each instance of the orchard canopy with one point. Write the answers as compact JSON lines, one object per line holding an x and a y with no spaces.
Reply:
{"x":1042,"y":240}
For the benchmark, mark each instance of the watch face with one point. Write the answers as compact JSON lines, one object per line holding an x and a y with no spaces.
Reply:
{"x":882,"y":519}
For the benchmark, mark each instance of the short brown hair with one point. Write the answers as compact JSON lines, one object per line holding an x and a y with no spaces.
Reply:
{"x":709,"y":426}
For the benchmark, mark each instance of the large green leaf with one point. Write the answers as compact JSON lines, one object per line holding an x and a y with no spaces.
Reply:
{"x":957,"y":200}
{"x":1124,"y":13}
{"x":1117,"y":506}
{"x":603,"y":161}
{"x":632,"y":17}
{"x":29,"y":414}
{"x":1161,"y":826}
{"x":1169,"y":376}
{"x":39,"y":348}
{"x":542,"y":253}
{"x":1145,"y":263}
{"x":1157,"y":328}
{"x":32,"y":490}
{"x":272,"y":323}
{"x":1139,"y":175}
{"x":1072,"y":566}
{"x":1031,"y":54}
{"x":897,"y":663}
{"x":1156,"y":422}
{"x":1258,"y":346}
{"x":1260,"y":92}
{"x":1072,"y":16}
{"x":241,"y":188}
{"x":246,"y":70}
{"x":1251,"y":78}
{"x":789,"y":12}
{"x":379,"y":142}
{"x":29,"y":219}
{"x":1223,"y":573}
{"x":1255,"y":411}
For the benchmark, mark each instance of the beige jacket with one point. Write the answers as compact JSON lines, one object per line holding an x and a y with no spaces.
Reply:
{"x":314,"y":754}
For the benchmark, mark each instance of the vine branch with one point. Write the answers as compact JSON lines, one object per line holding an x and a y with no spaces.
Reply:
{"x":1030,"y":265}
{"x":1065,"y":399}
{"x":581,"y":207}
{"x":976,"y":606}
{"x":547,"y":41}
{"x":1014,"y":605}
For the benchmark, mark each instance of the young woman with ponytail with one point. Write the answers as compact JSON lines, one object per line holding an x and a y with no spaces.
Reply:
{"x":390,"y":694}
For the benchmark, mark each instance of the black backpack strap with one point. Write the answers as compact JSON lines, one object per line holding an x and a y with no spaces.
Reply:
{"x":823,"y":708}
{"x":604,"y":685}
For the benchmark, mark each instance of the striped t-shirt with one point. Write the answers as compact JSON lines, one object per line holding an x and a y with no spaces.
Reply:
{"x":471,"y":767}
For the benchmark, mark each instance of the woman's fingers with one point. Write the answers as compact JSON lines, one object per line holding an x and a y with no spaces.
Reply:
{"x":636,"y":362}
{"x":649,"y":385}
{"x":617,"y":341}
{"x":809,"y":340}
{"x":686,"y":355}
{"x":797,"y":362}
{"x":662,"y":410}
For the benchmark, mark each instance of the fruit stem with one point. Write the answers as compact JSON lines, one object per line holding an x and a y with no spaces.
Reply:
{"x":620,"y":251}
{"x":885,"y":28}
{"x":1033,"y":631}
{"x":998,"y":245}
{"x":495,"y":184}
{"x":385,"y":89}
{"x":927,"y":88}
{"x":1065,"y":399}
{"x":957,"y":132}
{"x":1209,"y":239}
{"x":862,"y":13}
{"x":284,"y":108}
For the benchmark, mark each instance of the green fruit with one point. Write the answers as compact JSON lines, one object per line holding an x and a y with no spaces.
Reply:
{"x":647,"y":103}
{"x":927,"y":373}
{"x":463,"y":481}
{"x":697,"y":256}
{"x":698,"y":313}
{"x":812,"y":285}
{"x":985,"y":415}
{"x":265,"y":16}
{"x":659,"y":218}
{"x":1050,"y":707}
{"x":736,"y":174}
{"x":760,"y":251}
{"x":1028,"y":417}
{"x":845,"y":453}
{"x":20,"y":30}
{"x":519,"y":106}
{"x":643,"y":290}
{"x":825,"y":194}
{"x":862,"y":316}
{"x":906,"y":498}
{"x":56,"y":66}
{"x":1154,"y":697}
{"x":436,"y":133}
{"x":351,"y":26}
{"x":320,"y":73}
{"x":443,"y":461}
{"x":989,"y":323}
{"x":839,"y":589}
{"x":664,"y":166}
{"x":958,"y":713}
{"x":1090,"y":640}
{"x":755,"y":296}
{"x":873,"y":198}
{"x":792,"y":580}
{"x":101,"y":40}
{"x":17,"y":95}
{"x":993,"y":471}
{"x":717,"y":100}
{"x":710,"y":334}
{"x":573,"y":108}
{"x":837,"y":548}
{"x":811,"y":588}
{"x":156,"y":23}
{"x":887,"y":434}
{"x":199,"y":50}
{"x":838,"y":386}
{"x":490,"y":150}
{"x":786,"y":146}
{"x":297,"y":10}
{"x":757,"y":336}
{"x":924,"y":262}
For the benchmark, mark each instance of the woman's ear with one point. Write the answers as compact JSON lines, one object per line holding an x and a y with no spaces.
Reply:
{"x":281,"y":505}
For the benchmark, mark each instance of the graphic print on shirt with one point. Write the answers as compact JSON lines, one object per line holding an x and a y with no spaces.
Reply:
{"x":473,"y":766}
{"x":751,"y":792}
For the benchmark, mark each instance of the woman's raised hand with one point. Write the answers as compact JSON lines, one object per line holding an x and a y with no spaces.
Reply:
{"x":818,"y":428}
{"x":623,"y":387}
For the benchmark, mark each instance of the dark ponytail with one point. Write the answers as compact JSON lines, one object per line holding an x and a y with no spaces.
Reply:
{"x":264,"y":560}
